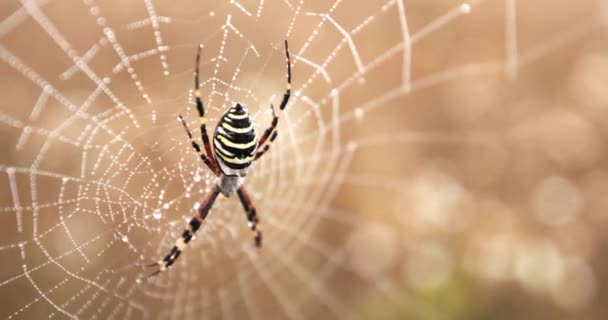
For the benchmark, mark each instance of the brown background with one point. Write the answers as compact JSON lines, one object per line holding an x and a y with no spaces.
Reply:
{"x":479,"y":194}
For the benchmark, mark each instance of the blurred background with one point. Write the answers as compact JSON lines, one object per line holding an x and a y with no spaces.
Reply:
{"x":438,"y":159}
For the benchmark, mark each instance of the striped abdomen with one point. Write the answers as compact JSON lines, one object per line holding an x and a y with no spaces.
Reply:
{"x":235,"y":141}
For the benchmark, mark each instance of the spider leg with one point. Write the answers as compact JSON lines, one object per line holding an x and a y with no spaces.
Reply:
{"x":270,"y":133}
{"x":267,"y":146}
{"x":193,"y":226}
{"x":197,"y":147}
{"x":201,"y":112}
{"x":252,"y":217}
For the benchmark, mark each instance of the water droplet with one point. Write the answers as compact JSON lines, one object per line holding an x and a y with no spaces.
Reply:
{"x":465,"y":7}
{"x":359,"y":114}
{"x":197,"y":177}
{"x":352,"y":146}
{"x":156,"y":214}
{"x":125,"y":239}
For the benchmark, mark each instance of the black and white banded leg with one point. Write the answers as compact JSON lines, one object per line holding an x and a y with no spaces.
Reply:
{"x":193,"y":226}
{"x":208,"y":157}
{"x":271,"y":132}
{"x":197,"y":147}
{"x":251,"y":214}
{"x":201,"y":111}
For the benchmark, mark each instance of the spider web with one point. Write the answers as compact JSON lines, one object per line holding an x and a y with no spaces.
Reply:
{"x":414,"y":170}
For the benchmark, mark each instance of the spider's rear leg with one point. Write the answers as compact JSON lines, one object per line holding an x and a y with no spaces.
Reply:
{"x":252,"y":217}
{"x":193,"y":226}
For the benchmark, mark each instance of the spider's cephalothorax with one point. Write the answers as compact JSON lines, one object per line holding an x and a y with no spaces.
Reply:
{"x":235,"y":141}
{"x":236,"y":146}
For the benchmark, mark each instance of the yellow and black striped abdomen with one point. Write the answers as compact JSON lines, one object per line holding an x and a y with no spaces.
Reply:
{"x":235,"y":141}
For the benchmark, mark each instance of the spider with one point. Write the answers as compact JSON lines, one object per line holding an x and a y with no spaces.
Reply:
{"x":236,"y":146}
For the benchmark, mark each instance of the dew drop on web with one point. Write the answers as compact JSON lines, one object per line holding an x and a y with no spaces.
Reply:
{"x":156,"y":214}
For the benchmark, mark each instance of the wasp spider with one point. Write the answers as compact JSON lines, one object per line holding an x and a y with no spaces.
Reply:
{"x":235,"y":146}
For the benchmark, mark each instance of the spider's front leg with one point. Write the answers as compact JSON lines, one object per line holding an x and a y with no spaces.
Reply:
{"x":193,"y":226}
{"x":252,"y":217}
{"x":271,"y":132}
{"x":210,"y":164}
{"x":201,"y":111}
{"x":208,"y":156}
